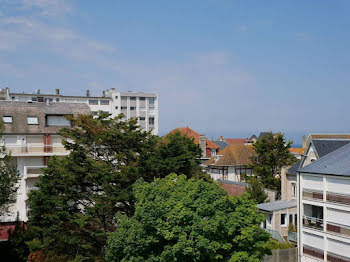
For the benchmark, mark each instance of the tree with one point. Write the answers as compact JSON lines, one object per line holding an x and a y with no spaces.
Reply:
{"x":188,"y":220}
{"x":272,"y":154}
{"x":256,"y":191}
{"x":9,"y":177}
{"x":78,"y":196}
{"x":173,"y":153}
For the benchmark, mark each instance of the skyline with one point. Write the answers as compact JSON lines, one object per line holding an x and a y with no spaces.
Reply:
{"x":231,"y":68}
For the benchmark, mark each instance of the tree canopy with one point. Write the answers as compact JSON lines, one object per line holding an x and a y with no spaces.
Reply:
{"x":272,"y":154}
{"x":188,"y":220}
{"x":78,"y":196}
{"x":256,"y":191}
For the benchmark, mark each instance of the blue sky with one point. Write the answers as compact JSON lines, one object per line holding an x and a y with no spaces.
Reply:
{"x":222,"y":67}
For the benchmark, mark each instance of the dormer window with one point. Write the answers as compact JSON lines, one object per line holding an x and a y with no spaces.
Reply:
{"x":7,"y":119}
{"x":57,"y":120}
{"x":32,"y":120}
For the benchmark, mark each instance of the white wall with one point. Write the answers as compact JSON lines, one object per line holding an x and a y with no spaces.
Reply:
{"x":312,"y":182}
{"x":313,"y":240}
{"x":338,"y":216}
{"x":339,"y":247}
{"x":340,"y":186}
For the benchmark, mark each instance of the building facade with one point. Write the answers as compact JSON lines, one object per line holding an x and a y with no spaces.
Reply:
{"x":143,"y":106}
{"x":324,"y":208}
{"x":30,"y":136}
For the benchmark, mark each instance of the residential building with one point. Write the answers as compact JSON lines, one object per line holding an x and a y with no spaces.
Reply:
{"x":297,"y":152}
{"x":30,"y":136}
{"x":143,"y":106}
{"x":324,"y":208}
{"x":221,"y":143}
{"x":230,"y":163}
{"x":208,"y":147}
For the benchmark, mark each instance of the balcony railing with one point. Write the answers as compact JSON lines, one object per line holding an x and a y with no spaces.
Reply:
{"x":313,"y":222}
{"x":34,"y":171}
{"x":292,"y":236}
{"x":318,"y":195}
{"x":275,"y":235}
{"x":34,"y":149}
{"x":314,"y":252}
{"x":338,"y":198}
{"x":338,"y":229}
{"x":336,"y":258}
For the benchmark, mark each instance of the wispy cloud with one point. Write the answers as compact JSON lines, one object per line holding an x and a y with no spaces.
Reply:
{"x":303,"y":36}
{"x":242,"y":28}
{"x":47,"y":7}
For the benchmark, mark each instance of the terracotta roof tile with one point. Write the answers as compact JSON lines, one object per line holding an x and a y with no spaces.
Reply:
{"x":233,"y":155}
{"x":297,"y":150}
{"x":236,"y":141}
{"x":193,"y":134}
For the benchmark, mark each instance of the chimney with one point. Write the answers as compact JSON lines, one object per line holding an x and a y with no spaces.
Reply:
{"x":57,"y":91}
{"x":203,"y":145}
{"x":112,"y":90}
{"x":7,"y":94}
{"x":221,"y":138}
{"x":304,"y":142}
{"x":103,"y":93}
{"x":88,"y":93}
{"x":38,"y":91}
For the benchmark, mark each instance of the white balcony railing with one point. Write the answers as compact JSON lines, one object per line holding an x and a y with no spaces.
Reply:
{"x":313,"y":222}
{"x":35,"y":149}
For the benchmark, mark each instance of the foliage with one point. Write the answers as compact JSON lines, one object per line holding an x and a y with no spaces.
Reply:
{"x":188,"y":220}
{"x":274,"y":244}
{"x":79,"y":195}
{"x":9,"y":177}
{"x":174,"y":153}
{"x":256,"y":191}
{"x":272,"y":154}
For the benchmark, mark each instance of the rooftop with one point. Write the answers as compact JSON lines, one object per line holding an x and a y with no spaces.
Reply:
{"x":233,"y":155}
{"x":277,"y":205}
{"x":325,"y":146}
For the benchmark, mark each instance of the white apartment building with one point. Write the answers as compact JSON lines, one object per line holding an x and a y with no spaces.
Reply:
{"x":143,"y":106}
{"x":324,"y":208}
{"x":30,"y":136}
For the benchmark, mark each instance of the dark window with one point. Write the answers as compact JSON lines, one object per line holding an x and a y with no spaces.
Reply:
{"x":283,"y":219}
{"x":151,"y":101}
{"x":151,"y":120}
{"x":94,"y":113}
{"x":104,"y":102}
{"x":116,"y":97}
{"x":57,"y":100}
{"x":93,"y":102}
{"x":34,"y":99}
{"x":133,"y":98}
{"x":142,"y":98}
{"x":123,"y":107}
{"x":142,"y":118}
{"x":124,"y":98}
{"x":116,"y":107}
{"x":132,"y":108}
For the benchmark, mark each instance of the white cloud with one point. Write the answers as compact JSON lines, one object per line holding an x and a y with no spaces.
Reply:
{"x":242,"y":28}
{"x":48,"y":7}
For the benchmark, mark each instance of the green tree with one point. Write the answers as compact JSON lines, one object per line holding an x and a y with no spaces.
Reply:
{"x":272,"y":154}
{"x":9,"y":177}
{"x":188,"y":220}
{"x":256,"y":191}
{"x":173,"y":153}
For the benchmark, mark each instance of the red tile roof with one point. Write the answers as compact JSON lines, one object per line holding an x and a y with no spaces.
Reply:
{"x":235,"y":141}
{"x":193,"y":134}
{"x":297,"y":150}
{"x":233,"y":155}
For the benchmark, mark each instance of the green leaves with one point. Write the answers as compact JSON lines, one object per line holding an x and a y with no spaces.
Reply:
{"x":187,"y":220}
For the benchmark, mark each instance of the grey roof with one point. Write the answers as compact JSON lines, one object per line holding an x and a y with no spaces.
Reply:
{"x":335,"y":163}
{"x":293,"y":169}
{"x":325,"y":146}
{"x":263,"y":134}
{"x":232,"y":182}
{"x":277,"y":205}
{"x":252,"y":137}
{"x":221,"y":144}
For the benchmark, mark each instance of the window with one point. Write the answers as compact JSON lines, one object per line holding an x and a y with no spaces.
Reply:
{"x":132,"y":108}
{"x":133,"y":98}
{"x":57,"y":100}
{"x":32,"y":120}
{"x":7,"y":119}
{"x":34,"y":99}
{"x":142,"y":108}
{"x":13,"y":98}
{"x":283,"y":220}
{"x":269,"y":220}
{"x":294,"y":190}
{"x":142,"y":98}
{"x":213,"y":152}
{"x":290,"y":219}
{"x":93,"y":102}
{"x":151,"y":101}
{"x":142,"y":118}
{"x":116,"y":107}
{"x":116,"y":97}
{"x":94,"y":113}
{"x":57,"y":121}
{"x":104,"y":102}
{"x":123,"y":107}
{"x":151,"y":120}
{"x":124,"y":98}
{"x":151,"y":111}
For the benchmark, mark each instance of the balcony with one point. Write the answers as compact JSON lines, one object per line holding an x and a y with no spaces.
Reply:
{"x":313,"y":222}
{"x":292,"y":236}
{"x":33,"y":171}
{"x":336,"y":258}
{"x":310,"y":194}
{"x":314,"y":252}
{"x":338,"y":229}
{"x":40,"y":149}
{"x":338,"y":198}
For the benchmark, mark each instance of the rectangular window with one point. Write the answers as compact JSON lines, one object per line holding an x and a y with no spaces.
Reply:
{"x":132,"y":108}
{"x":34,"y":99}
{"x":7,"y":119}
{"x":269,"y":220}
{"x":116,"y":97}
{"x":124,"y":98}
{"x":104,"y":102}
{"x":57,"y":100}
{"x":132,"y":98}
{"x":213,"y":152}
{"x":142,"y":118}
{"x":142,"y":98}
{"x":116,"y":107}
{"x":151,"y":120}
{"x":94,"y":113}
{"x":151,"y":101}
{"x":151,"y":111}
{"x":57,"y":121}
{"x":13,"y":98}
{"x":93,"y":102}
{"x":290,"y":219}
{"x":123,"y":107}
{"x":32,"y":120}
{"x":283,"y":220}
{"x":294,"y":190}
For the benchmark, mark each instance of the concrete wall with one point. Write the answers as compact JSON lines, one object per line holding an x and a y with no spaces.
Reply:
{"x":282,"y":255}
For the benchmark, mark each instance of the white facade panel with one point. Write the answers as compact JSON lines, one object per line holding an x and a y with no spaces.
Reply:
{"x":340,"y":186}
{"x":338,"y":217}
{"x":339,"y":248}
{"x":312,"y":182}
{"x":313,"y":240}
